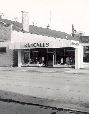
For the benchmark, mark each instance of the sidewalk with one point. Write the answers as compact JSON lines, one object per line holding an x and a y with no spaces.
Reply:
{"x":48,"y":69}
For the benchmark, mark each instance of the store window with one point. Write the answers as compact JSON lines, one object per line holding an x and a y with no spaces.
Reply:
{"x":2,"y":49}
{"x":86,"y":54}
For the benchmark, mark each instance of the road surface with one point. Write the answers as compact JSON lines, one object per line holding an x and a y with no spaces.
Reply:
{"x":53,"y":87}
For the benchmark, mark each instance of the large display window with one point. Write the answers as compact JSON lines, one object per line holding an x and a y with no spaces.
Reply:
{"x":49,"y":57}
{"x":35,"y":56}
{"x":86,"y":54}
{"x":65,"y":56}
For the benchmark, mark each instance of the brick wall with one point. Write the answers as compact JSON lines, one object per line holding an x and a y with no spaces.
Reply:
{"x":15,"y":58}
{"x":6,"y":58}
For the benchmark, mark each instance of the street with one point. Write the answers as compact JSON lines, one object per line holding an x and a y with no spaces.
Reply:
{"x":63,"y":88}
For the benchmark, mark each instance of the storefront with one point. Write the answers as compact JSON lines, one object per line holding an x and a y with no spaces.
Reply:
{"x":45,"y":57}
{"x":37,"y":50}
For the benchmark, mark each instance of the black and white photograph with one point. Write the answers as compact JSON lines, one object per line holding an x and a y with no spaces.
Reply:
{"x":44,"y":56}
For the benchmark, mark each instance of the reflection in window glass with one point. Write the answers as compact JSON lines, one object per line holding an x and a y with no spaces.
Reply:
{"x":86,"y":54}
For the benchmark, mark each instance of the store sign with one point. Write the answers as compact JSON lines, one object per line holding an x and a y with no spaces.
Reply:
{"x":49,"y":44}
{"x":36,"y":45}
{"x":74,"y":43}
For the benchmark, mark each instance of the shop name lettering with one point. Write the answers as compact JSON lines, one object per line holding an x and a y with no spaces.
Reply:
{"x":37,"y":45}
{"x":73,"y":43}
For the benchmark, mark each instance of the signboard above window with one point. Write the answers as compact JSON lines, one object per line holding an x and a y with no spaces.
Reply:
{"x":74,"y":44}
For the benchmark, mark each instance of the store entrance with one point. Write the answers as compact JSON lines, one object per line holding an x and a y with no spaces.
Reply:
{"x":49,"y":59}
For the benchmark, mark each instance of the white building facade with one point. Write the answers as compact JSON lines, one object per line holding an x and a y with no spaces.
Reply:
{"x":38,"y":48}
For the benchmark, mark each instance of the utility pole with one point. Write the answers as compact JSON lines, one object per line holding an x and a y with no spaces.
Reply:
{"x":73,"y":30}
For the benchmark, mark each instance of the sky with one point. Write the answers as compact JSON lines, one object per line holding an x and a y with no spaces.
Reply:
{"x":60,"y":14}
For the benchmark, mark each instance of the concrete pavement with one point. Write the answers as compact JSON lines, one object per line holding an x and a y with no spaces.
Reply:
{"x":55,"y":87}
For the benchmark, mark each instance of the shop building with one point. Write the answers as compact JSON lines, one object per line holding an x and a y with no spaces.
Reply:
{"x":27,"y":45}
{"x":34,"y":50}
